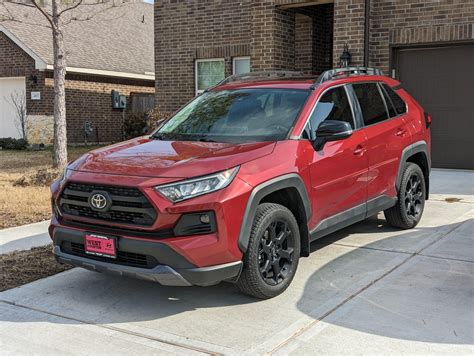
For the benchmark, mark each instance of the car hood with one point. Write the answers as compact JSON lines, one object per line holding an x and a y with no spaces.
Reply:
{"x":169,"y":159}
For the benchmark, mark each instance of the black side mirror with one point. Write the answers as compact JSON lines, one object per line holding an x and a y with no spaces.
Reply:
{"x":331,"y":130}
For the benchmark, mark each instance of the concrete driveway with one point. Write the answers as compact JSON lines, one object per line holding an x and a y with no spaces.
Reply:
{"x":366,"y":289}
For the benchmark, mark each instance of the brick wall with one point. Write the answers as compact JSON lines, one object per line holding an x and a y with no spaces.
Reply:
{"x":88,"y":98}
{"x":303,"y":43}
{"x":322,"y":37}
{"x":349,"y":28}
{"x":190,"y":30}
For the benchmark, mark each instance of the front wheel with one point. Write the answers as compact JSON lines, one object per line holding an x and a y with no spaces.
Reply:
{"x":272,"y":256}
{"x":406,"y":214}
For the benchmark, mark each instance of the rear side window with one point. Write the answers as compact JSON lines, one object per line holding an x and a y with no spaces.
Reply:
{"x":399,"y":104}
{"x":333,"y":105}
{"x":371,"y":103}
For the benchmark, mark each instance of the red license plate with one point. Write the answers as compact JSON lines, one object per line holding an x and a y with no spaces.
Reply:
{"x":100,"y":245}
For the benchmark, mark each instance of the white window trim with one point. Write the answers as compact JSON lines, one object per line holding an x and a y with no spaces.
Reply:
{"x":196,"y":71}
{"x":236,"y":59}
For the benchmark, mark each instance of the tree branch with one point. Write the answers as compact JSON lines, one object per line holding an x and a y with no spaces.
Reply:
{"x":45,"y":14}
{"x":107,"y":6}
{"x":70,"y":8}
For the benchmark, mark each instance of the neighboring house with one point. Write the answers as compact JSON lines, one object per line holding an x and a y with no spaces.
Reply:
{"x":427,"y":45}
{"x":111,"y":51}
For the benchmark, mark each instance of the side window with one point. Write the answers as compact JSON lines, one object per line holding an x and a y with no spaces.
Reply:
{"x":333,"y":105}
{"x":371,"y":103}
{"x":391,"y":110}
{"x":399,"y":104}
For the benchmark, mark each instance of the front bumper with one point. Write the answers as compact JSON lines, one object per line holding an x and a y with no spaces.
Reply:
{"x":172,"y":269}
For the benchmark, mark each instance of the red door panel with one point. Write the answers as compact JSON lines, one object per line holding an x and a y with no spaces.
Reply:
{"x":339,"y":176}
{"x":386,"y":141}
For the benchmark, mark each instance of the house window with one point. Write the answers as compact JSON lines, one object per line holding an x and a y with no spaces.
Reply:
{"x":241,"y":65}
{"x":209,"y":72}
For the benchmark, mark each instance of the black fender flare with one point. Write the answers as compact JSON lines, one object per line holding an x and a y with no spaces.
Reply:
{"x":291,"y":180}
{"x":417,"y":147}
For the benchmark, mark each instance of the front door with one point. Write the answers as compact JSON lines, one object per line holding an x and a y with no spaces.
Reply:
{"x":338,"y":170}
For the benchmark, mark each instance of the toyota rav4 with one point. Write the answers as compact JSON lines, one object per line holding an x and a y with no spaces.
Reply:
{"x":238,"y":183}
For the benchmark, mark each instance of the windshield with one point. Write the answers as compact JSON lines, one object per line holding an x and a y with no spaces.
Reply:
{"x":242,"y":115}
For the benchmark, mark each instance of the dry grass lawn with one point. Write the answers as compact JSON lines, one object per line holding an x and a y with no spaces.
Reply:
{"x":23,"y":205}
{"x":21,"y":267}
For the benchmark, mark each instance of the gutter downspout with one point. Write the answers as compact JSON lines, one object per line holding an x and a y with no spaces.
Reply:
{"x":366,"y":33}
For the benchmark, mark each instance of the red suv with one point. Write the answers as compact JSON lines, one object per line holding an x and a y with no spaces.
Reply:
{"x":236,"y":185}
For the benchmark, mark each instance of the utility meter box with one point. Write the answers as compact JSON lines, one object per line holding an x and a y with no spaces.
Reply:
{"x":118,"y":101}
{"x":123,"y":101}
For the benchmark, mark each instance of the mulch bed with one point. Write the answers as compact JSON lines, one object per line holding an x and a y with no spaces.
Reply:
{"x":22,"y":267}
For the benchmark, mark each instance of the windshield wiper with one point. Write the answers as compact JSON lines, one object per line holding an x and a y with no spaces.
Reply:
{"x":163,"y":136}
{"x":206,"y":139}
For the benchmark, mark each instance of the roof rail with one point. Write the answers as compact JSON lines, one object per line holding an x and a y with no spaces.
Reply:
{"x":257,"y":76}
{"x":347,"y":71}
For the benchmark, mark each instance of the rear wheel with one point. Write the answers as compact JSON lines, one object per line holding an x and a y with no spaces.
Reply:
{"x":406,"y":214}
{"x":272,"y":256}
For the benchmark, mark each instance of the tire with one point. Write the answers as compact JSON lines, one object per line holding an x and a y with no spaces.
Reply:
{"x":406,"y":214}
{"x":272,"y":256}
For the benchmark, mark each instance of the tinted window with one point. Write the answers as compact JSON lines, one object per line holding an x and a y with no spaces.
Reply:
{"x":242,"y":115}
{"x":371,"y":103}
{"x":333,"y":105}
{"x":399,"y":104}
{"x":388,"y":101}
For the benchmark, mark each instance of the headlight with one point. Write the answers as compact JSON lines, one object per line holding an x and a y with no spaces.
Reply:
{"x":187,"y":189}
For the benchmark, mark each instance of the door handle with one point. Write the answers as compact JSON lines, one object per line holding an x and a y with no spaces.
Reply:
{"x":401,"y":132}
{"x":359,"y":150}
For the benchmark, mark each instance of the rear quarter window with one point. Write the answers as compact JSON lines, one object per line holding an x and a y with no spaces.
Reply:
{"x":398,"y":102}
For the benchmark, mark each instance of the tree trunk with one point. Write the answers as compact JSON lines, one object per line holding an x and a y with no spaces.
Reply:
{"x":60,"y":134}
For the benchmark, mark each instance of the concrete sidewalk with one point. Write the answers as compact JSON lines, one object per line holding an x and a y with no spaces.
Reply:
{"x":366,"y":289}
{"x":24,"y":237}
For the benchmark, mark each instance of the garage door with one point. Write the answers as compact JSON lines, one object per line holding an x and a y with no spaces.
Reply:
{"x":8,"y":117}
{"x":441,"y":79}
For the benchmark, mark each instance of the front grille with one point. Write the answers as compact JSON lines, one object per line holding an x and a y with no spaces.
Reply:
{"x":129,"y":205}
{"x":123,"y":258}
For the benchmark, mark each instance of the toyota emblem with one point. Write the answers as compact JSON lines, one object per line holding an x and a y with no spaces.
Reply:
{"x":98,"y":201}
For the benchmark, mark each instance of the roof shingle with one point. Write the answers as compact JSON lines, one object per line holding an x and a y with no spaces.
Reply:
{"x":119,"y":39}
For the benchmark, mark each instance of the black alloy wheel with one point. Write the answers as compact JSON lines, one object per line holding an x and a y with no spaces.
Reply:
{"x":407,"y":211}
{"x":273,"y":252}
{"x":413,"y":196}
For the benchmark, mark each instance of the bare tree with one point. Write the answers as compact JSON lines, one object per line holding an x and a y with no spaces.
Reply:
{"x":18,"y":101}
{"x":59,"y":13}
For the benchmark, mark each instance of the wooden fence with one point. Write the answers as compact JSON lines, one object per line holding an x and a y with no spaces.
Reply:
{"x":142,"y":102}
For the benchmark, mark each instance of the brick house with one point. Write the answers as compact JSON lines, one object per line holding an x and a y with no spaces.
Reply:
{"x":112,"y":51}
{"x":427,"y":45}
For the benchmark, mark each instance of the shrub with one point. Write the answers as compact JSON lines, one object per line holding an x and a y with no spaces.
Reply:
{"x":156,"y":117}
{"x":40,"y":178}
{"x":9,"y":143}
{"x":134,"y":125}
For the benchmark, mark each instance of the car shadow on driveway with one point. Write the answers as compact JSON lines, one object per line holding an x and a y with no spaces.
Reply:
{"x":419,"y":301}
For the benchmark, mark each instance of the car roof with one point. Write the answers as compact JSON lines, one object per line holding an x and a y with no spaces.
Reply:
{"x":304,"y":83}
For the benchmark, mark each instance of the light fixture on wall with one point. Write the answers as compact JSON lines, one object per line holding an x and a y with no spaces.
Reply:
{"x":33,"y":79}
{"x":346,"y":57}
